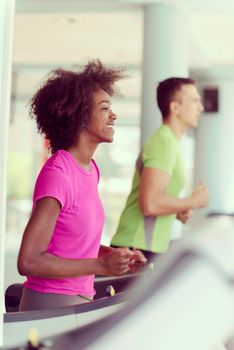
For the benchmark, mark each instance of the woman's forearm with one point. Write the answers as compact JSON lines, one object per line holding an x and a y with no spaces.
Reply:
{"x":47,"y":265}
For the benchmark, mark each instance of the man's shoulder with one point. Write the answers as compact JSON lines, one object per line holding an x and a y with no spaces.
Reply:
{"x":159,"y":139}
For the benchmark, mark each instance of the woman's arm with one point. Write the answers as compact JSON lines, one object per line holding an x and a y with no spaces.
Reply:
{"x":34,"y":260}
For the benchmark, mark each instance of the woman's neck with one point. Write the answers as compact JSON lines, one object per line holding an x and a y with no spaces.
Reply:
{"x":83,"y":152}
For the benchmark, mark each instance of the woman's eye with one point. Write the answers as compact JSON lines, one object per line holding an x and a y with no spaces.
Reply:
{"x":105,"y":108}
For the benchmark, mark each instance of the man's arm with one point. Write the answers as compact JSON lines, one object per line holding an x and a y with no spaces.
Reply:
{"x":154,"y":201}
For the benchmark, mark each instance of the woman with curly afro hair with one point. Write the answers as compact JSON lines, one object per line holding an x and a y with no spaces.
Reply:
{"x":60,"y":251}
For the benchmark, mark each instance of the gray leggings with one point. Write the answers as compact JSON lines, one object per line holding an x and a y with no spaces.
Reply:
{"x":32,"y":300}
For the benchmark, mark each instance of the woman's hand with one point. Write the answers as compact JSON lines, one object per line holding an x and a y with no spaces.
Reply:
{"x":116,"y":261}
{"x":138,"y":261}
{"x":119,"y":261}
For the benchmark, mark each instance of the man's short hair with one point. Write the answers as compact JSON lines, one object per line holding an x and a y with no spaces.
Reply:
{"x":166,"y":91}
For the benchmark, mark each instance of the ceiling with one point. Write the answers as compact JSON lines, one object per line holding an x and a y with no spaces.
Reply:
{"x":49,"y":32}
{"x":68,"y":38}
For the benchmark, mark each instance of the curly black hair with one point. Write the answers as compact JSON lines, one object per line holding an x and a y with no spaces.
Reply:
{"x":63,"y":104}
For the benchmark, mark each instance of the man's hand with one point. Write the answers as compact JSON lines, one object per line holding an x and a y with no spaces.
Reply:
{"x":200,"y":196}
{"x":185,"y":216}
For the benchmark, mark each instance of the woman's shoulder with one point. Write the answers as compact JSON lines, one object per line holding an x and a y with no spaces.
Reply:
{"x":56,"y":167}
{"x":58,"y":161}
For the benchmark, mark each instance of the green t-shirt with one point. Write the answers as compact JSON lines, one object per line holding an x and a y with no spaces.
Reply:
{"x":161,"y":151}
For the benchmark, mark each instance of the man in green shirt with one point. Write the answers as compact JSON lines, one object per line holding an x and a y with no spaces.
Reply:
{"x":154,"y":203}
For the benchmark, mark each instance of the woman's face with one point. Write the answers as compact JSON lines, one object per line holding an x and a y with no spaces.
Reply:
{"x":101,"y":126}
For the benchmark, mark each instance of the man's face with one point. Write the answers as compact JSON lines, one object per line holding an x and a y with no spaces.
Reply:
{"x":189,"y":106}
